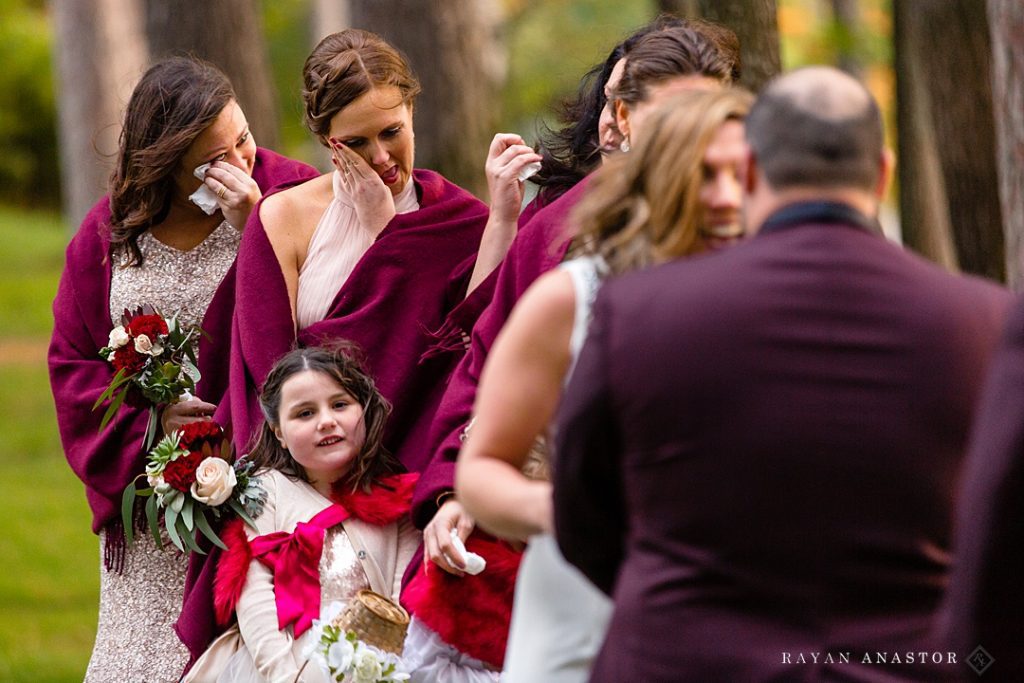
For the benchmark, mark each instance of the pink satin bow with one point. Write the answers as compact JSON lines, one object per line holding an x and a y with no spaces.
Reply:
{"x":294,"y":558}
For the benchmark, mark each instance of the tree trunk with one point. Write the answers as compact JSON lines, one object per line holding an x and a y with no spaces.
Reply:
{"x":754,"y":22}
{"x":456,"y":50}
{"x":1006,"y":18}
{"x":846,"y":17}
{"x":687,"y":9}
{"x":228,"y":33}
{"x":943,"y":60}
{"x":328,"y":17}
{"x":100,"y":54}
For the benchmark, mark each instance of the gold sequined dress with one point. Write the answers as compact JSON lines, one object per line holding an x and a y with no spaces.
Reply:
{"x":135,"y":641}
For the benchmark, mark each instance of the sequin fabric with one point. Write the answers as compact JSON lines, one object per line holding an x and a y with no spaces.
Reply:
{"x":341,"y":572}
{"x":135,"y":642}
{"x":175,"y":281}
{"x":138,"y":607}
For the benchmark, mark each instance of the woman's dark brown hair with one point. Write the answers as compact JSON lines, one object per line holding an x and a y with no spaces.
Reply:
{"x":341,"y":363}
{"x":343,"y":67}
{"x":176,"y":100}
{"x":677,"y":51}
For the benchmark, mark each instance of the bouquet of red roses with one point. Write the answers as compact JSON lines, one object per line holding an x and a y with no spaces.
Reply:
{"x":191,"y":474}
{"x":154,"y":361}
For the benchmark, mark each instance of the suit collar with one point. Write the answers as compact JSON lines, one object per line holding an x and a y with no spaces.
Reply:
{"x":817,"y":213}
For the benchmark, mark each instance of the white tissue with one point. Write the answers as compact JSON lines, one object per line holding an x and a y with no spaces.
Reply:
{"x":204,"y":197}
{"x":474,"y":563}
{"x":529,"y":170}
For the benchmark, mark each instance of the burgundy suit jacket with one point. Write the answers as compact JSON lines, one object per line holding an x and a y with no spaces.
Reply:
{"x":756,"y":456}
{"x":985,"y":603}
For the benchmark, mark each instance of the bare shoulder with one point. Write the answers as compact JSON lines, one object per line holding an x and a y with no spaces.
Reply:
{"x":551,"y":296}
{"x":546,"y":309}
{"x":288,"y":213}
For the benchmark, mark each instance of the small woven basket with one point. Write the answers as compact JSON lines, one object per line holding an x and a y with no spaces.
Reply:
{"x":376,"y":620}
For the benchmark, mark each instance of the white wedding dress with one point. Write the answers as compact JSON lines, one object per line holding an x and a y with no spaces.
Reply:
{"x":558,"y":617}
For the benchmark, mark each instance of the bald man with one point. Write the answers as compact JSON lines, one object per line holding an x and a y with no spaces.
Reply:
{"x":757,"y":454}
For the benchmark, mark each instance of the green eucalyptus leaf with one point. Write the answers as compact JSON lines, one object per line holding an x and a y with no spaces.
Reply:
{"x":188,"y":538}
{"x":153,"y":520}
{"x":150,"y":429}
{"x":112,"y":409}
{"x":240,"y":511}
{"x":170,"y":522}
{"x":127,"y":504}
{"x":205,"y":528}
{"x":187,"y":510}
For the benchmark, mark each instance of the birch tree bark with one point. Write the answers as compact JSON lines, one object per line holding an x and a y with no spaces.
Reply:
{"x":1006,"y":19}
{"x":100,"y":55}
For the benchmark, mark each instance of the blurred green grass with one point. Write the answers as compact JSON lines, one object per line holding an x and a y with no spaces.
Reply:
{"x":49,"y":586}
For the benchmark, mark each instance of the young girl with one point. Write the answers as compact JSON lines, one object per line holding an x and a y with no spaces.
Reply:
{"x":335,"y":519}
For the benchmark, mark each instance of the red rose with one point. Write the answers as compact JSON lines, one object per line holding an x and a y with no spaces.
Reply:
{"x":128,"y":358}
{"x":149,"y":325}
{"x":195,"y":434}
{"x":181,"y":473}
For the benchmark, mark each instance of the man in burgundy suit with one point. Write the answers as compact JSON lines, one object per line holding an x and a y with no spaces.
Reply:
{"x":756,"y":456}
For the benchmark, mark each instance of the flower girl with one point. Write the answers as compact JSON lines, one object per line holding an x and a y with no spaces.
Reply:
{"x":335,"y":520}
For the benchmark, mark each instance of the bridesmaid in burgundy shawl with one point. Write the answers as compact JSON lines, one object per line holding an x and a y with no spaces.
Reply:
{"x":540,"y":245}
{"x":171,"y":253}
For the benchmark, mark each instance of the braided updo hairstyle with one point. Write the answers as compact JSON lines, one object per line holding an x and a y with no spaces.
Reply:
{"x":343,"y":67}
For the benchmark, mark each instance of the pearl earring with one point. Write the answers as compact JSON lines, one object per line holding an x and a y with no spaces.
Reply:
{"x":624,"y":145}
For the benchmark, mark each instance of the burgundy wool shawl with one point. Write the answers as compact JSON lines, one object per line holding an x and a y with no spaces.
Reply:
{"x":106,"y":462}
{"x":400,"y":293}
{"x":539,"y":247}
{"x":403,"y":288}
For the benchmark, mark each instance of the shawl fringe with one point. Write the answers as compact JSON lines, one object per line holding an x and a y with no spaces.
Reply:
{"x":449,"y":338}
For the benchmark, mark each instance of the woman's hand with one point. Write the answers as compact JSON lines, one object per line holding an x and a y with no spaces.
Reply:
{"x":437,"y":540}
{"x":236,"y":192}
{"x":177,"y":415}
{"x":374,"y":203}
{"x":506,"y":158}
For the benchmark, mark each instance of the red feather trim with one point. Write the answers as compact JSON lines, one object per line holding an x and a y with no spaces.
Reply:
{"x":470,"y":613}
{"x":387,"y":502}
{"x":232,"y":570}
{"x":389,"y":499}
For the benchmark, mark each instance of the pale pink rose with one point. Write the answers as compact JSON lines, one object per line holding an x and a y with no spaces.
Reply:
{"x":143,"y":344}
{"x":215,"y":480}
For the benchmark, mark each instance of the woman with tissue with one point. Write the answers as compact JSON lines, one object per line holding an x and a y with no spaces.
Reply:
{"x":165,"y":236}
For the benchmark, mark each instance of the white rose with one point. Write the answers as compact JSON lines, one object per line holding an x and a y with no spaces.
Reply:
{"x":118,"y":337}
{"x":215,"y":480}
{"x":155,"y":482}
{"x":367,"y":667}
{"x":339,"y":655}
